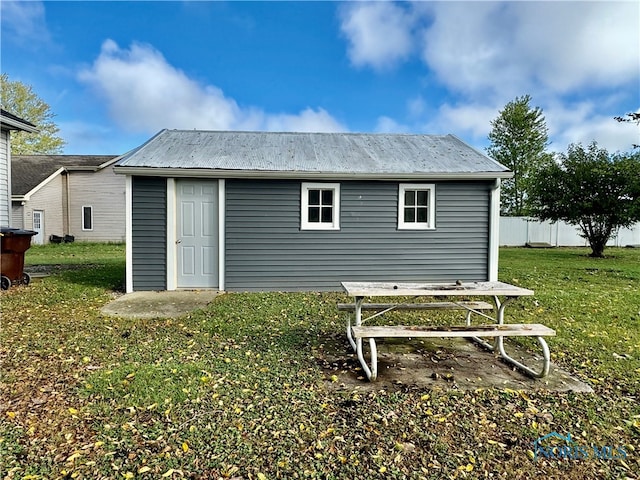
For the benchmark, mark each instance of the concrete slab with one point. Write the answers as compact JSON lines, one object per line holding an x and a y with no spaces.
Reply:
{"x":447,"y":364}
{"x":159,"y":304}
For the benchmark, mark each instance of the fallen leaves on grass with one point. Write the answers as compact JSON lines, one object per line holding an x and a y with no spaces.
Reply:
{"x":234,"y":391}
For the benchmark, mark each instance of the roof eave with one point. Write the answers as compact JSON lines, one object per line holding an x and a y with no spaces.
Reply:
{"x":290,"y":175}
{"x":93,"y":168}
{"x":11,"y":124}
{"x":110,"y":162}
{"x":82,"y":168}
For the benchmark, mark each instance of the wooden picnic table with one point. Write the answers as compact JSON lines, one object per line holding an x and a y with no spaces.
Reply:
{"x":456,"y":295}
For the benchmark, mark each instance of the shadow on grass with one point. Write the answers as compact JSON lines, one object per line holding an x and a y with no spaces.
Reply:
{"x":107,"y":276}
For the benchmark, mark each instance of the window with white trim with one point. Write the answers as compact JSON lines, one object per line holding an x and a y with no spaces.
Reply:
{"x":320,"y":204}
{"x":87,"y":218}
{"x":416,"y":206}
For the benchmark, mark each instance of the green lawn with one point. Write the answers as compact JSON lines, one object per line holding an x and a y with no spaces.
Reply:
{"x":237,"y":390}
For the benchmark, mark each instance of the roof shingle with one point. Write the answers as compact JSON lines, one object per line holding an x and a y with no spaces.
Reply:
{"x":28,"y":171}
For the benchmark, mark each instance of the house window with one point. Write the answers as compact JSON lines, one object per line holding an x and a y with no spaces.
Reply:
{"x":87,"y":218}
{"x":416,"y":207}
{"x":320,"y":206}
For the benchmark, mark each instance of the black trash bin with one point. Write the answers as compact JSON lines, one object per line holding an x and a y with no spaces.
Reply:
{"x":14,"y":242}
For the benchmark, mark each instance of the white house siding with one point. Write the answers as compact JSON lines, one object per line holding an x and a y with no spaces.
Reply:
{"x":105,"y":192}
{"x":49,"y":200}
{"x":17,"y":215}
{"x":5,"y":195}
{"x":62,"y":198}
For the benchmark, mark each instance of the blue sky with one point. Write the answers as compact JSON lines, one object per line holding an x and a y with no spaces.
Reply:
{"x":115,"y":73}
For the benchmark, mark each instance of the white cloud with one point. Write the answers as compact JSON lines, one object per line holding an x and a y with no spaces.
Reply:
{"x":379,"y":33}
{"x":24,"y":22}
{"x":579,"y":60}
{"x":469,"y":121}
{"x":416,"y":106}
{"x":575,"y":122}
{"x":503,"y":49}
{"x":461,"y":48}
{"x":309,"y":120}
{"x":472,"y":119}
{"x":577,"y":44}
{"x":510,"y":48}
{"x":145,"y":93}
{"x":386,"y":124}
{"x":580,"y":123}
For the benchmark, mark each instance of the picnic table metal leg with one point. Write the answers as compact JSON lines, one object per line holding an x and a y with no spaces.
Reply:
{"x":500,"y":307}
{"x":372,"y":373}
{"x":356,"y":344}
{"x":358,"y":322}
{"x":499,"y":345}
{"x":545,"y":353}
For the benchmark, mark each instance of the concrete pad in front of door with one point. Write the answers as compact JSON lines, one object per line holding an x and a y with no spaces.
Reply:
{"x":159,"y":304}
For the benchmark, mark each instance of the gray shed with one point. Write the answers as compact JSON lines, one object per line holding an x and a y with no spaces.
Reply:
{"x":260,"y":211}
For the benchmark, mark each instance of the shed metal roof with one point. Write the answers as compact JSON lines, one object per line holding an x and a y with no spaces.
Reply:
{"x":308,"y":155}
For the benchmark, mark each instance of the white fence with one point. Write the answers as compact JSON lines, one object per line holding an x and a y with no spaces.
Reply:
{"x":518,"y":231}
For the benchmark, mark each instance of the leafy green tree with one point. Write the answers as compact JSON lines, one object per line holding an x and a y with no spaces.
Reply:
{"x":633,"y":117}
{"x":21,"y":100}
{"x":519,"y":138}
{"x":592,"y":190}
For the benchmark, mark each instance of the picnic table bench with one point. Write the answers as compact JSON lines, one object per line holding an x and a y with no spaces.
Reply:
{"x":456,"y":292}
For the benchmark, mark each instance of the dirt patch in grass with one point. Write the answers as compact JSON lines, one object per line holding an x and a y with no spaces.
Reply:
{"x":449,"y":364}
{"x":52,"y":269}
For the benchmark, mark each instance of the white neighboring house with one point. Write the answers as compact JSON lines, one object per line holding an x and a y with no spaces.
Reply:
{"x":8,"y":122}
{"x":75,"y":196}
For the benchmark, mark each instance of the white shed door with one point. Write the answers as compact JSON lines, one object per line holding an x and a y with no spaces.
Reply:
{"x":197,"y":239}
{"x":38,"y":226}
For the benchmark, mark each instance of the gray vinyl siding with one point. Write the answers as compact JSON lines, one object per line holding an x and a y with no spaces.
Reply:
{"x":266,"y":250}
{"x":5,"y":176}
{"x":149,"y":233}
